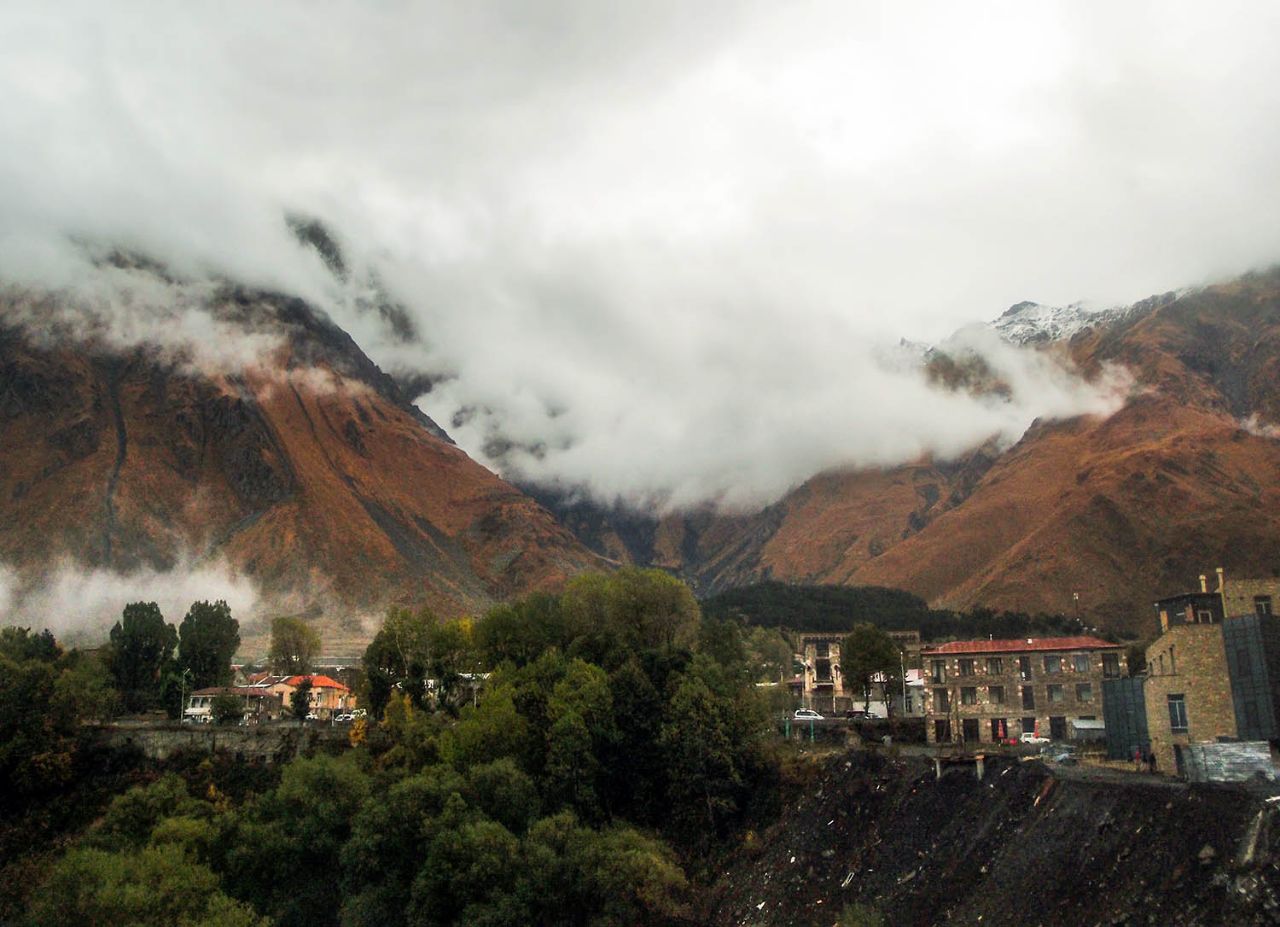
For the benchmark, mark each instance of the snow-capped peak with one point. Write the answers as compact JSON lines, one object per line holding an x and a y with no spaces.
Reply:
{"x":1031,"y":323}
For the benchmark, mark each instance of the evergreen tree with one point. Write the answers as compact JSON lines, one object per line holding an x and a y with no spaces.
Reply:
{"x":208,"y":638}
{"x":142,"y":646}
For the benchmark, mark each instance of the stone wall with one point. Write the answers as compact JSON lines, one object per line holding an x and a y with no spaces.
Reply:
{"x":1238,"y":595}
{"x":265,"y":743}
{"x":1188,"y":660}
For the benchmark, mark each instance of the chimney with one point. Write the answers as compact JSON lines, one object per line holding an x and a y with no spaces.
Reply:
{"x":1204,"y":584}
{"x":1222,"y":580}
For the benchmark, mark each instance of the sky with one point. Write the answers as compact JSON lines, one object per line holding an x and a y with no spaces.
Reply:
{"x":666,"y":251}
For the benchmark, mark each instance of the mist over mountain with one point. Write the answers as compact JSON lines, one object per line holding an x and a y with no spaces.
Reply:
{"x":283,"y":471}
{"x":656,"y":266}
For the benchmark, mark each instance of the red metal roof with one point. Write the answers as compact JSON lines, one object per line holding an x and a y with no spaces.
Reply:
{"x":1021,"y":644}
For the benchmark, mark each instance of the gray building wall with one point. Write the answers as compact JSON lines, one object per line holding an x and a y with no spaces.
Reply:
{"x":1124,"y":708}
{"x":1253,"y":664}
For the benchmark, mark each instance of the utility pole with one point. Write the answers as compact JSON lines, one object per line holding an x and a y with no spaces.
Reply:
{"x":182,"y":694}
{"x":901,"y":662}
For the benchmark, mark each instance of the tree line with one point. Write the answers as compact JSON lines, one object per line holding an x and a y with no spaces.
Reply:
{"x":836,"y":608}
{"x":615,"y":741}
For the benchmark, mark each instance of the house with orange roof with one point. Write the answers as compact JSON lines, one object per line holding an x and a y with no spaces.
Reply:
{"x":328,"y":696}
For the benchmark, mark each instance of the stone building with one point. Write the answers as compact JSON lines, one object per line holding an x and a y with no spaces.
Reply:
{"x":1188,"y":693}
{"x":1248,"y":596}
{"x":1229,"y":598}
{"x":823,"y":684}
{"x":1214,"y":672}
{"x":988,"y":691}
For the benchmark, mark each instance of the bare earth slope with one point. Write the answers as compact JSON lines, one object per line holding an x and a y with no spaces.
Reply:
{"x":312,"y":475}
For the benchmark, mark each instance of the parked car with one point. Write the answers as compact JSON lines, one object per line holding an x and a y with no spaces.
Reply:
{"x":1030,"y":737}
{"x":808,"y":714}
{"x":857,"y":714}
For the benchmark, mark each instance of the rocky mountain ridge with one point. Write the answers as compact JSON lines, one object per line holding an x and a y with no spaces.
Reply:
{"x":311,"y":474}
{"x":1118,"y":510}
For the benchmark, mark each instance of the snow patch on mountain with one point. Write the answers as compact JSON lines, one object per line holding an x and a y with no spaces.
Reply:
{"x":1029,"y":323}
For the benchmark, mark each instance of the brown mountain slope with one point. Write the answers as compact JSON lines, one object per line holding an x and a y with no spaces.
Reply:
{"x":310,"y":474}
{"x":1119,"y":510}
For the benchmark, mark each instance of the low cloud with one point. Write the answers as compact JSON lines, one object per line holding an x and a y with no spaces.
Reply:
{"x":1258,"y":428}
{"x":80,"y":604}
{"x":660,"y":253}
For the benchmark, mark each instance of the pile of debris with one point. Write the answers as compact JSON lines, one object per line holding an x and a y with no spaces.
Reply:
{"x":868,"y":835}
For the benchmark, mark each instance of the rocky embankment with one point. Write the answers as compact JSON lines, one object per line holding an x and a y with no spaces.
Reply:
{"x":867,"y":835}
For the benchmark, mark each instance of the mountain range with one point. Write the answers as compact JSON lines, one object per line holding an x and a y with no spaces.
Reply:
{"x":318,"y":478}
{"x":1099,"y":515}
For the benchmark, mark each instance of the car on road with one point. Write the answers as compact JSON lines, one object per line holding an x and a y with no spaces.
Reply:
{"x":857,"y":714}
{"x":808,"y":714}
{"x":1030,"y":737}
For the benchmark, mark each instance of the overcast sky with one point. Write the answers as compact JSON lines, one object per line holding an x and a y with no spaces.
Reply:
{"x":674,"y":243}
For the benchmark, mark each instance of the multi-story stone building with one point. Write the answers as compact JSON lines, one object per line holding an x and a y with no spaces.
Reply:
{"x":993,"y":690}
{"x":822,"y":684}
{"x":1188,"y":695}
{"x":823,"y":688}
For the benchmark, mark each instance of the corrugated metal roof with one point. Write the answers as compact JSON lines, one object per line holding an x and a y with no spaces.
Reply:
{"x":1022,"y":644}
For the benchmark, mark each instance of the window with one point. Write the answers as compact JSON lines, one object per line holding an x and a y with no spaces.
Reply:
{"x":1028,"y":725}
{"x":1084,"y":692}
{"x":1028,"y":697}
{"x":995,"y":695}
{"x":822,"y":649}
{"x":1081,"y":661}
{"x":1111,"y":665}
{"x":995,"y":666}
{"x":1161,"y":664}
{"x":1055,"y":695}
{"x":1204,"y":617}
{"x":1262,"y":604}
{"x":969,"y":729}
{"x":942,"y":731}
{"x":938,"y":671}
{"x":969,"y":695}
{"x":1024,"y":667}
{"x":907,"y":704}
{"x":1173,"y":661}
{"x":1053,"y":664}
{"x":999,"y":730}
{"x":1178,"y":713}
{"x":966,"y":666}
{"x":941,"y":700}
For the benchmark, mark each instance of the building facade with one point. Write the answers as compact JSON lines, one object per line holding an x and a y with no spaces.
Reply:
{"x":1188,"y":692}
{"x":822,"y":685}
{"x":994,"y":690}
